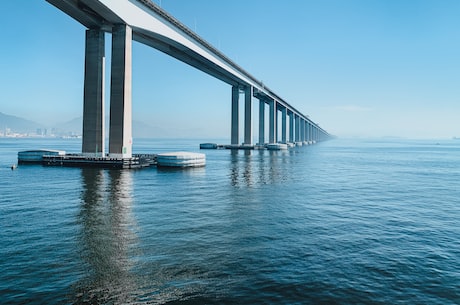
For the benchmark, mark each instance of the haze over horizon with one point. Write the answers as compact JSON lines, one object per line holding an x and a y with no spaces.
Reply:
{"x":358,"y":68}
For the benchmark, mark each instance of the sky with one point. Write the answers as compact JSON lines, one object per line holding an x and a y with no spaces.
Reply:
{"x":358,"y":68}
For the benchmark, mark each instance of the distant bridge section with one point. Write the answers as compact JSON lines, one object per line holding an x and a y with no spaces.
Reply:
{"x":145,"y":22}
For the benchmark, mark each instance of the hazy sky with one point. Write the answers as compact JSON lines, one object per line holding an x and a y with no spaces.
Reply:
{"x":356,"y":67}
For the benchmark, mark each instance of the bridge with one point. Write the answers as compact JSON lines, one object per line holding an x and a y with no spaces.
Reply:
{"x":147,"y":23}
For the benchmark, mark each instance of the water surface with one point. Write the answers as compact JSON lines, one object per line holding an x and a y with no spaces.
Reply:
{"x":340,"y":222}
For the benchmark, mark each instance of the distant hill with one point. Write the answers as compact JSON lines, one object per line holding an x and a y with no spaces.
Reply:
{"x":18,"y":125}
{"x":75,"y":127}
{"x":140,"y":129}
{"x":72,"y":127}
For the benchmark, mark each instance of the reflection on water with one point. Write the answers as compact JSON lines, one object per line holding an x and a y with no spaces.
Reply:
{"x":257,"y":167}
{"x":185,"y":171}
{"x":370,"y":223}
{"x":107,"y":237}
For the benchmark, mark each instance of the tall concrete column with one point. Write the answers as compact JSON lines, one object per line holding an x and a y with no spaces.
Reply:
{"x":291,"y":127}
{"x":283,"y":124}
{"x":93,"y":95}
{"x":261,"y":122}
{"x":248,"y":115}
{"x":302,"y":129}
{"x":272,"y":127}
{"x":235,"y":115}
{"x":297,"y":133}
{"x":305,"y":131}
{"x":120,"y":137}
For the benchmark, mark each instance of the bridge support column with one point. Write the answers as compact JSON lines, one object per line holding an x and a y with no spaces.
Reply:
{"x":120,"y":137}
{"x":301,"y":129}
{"x":307,"y":132}
{"x":297,"y":133}
{"x":273,"y":127}
{"x":235,"y":115}
{"x":93,"y":95}
{"x":261,"y":122}
{"x":291,"y":127}
{"x":248,"y":115}
{"x":283,"y":124}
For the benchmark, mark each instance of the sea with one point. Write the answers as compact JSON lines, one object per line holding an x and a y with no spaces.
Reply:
{"x":346,"y":221}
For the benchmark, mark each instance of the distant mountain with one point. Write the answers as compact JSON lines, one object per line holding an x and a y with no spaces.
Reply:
{"x":72,"y":127}
{"x":140,"y":129}
{"x":144,"y":130}
{"x":18,"y":125}
{"x":75,"y":127}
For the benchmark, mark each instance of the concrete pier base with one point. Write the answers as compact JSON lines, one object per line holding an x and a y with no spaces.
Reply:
{"x":243,"y":147}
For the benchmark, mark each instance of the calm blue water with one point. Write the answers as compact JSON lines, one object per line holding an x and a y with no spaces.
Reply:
{"x":341,"y":222}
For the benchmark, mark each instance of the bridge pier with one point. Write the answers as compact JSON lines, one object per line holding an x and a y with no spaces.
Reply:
{"x":297,"y":124}
{"x":300,"y":130}
{"x":304,"y":130}
{"x":120,"y":133}
{"x":272,"y":123}
{"x":248,"y":91}
{"x":283,"y":124}
{"x":261,"y":122}
{"x":291,"y":127}
{"x":248,"y":115}
{"x":93,"y":142}
{"x":235,"y":116}
{"x":307,"y":132}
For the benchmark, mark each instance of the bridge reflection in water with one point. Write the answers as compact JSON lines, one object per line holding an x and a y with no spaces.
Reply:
{"x":107,"y":239}
{"x":258,"y":167}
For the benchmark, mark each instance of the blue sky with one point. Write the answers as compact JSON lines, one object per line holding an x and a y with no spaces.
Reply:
{"x":357,"y":67}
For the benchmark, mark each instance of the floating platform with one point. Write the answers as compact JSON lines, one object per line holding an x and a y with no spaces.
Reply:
{"x":208,"y":146}
{"x":181,"y":159}
{"x":60,"y":158}
{"x":36,"y":156}
{"x":236,"y":146}
{"x":101,"y":162}
{"x":277,"y":146}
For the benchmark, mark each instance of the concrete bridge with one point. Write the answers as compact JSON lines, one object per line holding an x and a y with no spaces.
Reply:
{"x":145,"y":22}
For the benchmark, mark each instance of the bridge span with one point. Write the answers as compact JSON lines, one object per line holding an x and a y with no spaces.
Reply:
{"x":147,"y":23}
